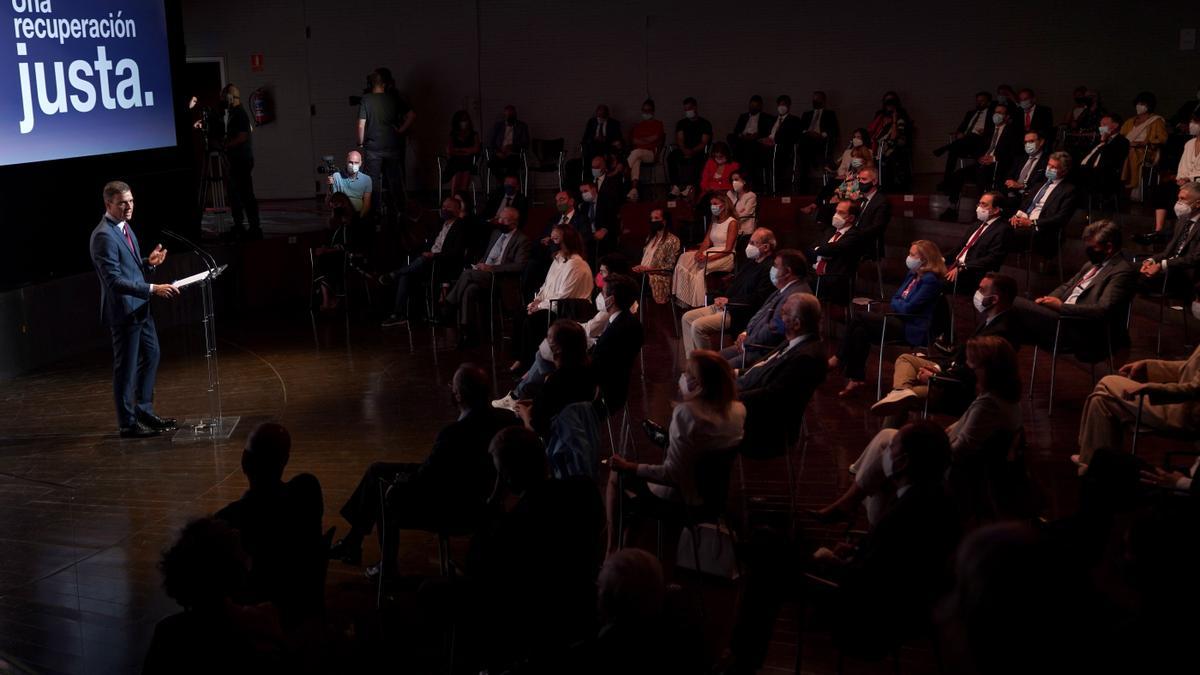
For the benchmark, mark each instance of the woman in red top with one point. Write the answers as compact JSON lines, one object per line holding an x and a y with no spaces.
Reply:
{"x":718,"y":171}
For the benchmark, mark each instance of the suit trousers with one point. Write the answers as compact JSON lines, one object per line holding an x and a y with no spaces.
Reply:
{"x":905,"y":374}
{"x":701,"y":328}
{"x":417,"y":272}
{"x":135,"y":367}
{"x":743,"y":360}
{"x":469,"y":292}
{"x":242,"y":201}
{"x":386,"y":168}
{"x":1106,"y":413}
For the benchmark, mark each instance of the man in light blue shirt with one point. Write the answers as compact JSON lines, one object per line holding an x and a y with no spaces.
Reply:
{"x":354,"y":184}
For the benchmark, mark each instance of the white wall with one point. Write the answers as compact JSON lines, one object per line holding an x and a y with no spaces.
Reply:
{"x":556,"y":61}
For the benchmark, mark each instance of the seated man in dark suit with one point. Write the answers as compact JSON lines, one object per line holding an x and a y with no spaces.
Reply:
{"x":601,"y":135}
{"x":875,"y":211}
{"x":280,"y":525}
{"x":970,"y":138}
{"x":701,"y":327}
{"x":1181,"y":257}
{"x":751,"y":126}
{"x":448,"y":489}
{"x":1032,"y":116}
{"x":507,"y":253}
{"x":1101,"y":291}
{"x":836,"y":254}
{"x":543,"y":249}
{"x":780,"y":143}
{"x":509,"y":195}
{"x":776,"y":390}
{"x":510,"y":137}
{"x":819,"y":132}
{"x":991,"y":164}
{"x":910,"y":379}
{"x":445,"y":250}
{"x":1100,"y":168}
{"x":765,"y":331}
{"x":1041,"y":220}
{"x":607,"y":194}
{"x":1030,"y":171}
{"x":981,"y":250}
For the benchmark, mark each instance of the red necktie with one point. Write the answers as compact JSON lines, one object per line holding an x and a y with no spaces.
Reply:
{"x":129,"y":240}
{"x":820,"y":268}
{"x":1028,"y":117}
{"x":962,"y":255}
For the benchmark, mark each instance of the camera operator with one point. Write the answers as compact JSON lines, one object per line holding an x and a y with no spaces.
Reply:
{"x":240,"y":154}
{"x":353,"y":183}
{"x":384,"y":118}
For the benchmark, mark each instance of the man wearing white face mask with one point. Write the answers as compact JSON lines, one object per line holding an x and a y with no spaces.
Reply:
{"x":1101,"y":166}
{"x":766,"y":328}
{"x":1181,"y":257}
{"x":749,"y":288}
{"x":781,"y":141}
{"x":1030,"y":171}
{"x":354,"y":184}
{"x":999,"y":151}
{"x":693,"y":133}
{"x":983,"y":249}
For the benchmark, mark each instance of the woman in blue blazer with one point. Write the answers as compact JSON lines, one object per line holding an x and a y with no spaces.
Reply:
{"x":918,"y":295}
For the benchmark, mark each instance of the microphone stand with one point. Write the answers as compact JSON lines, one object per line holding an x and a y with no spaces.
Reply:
{"x":215,"y":425}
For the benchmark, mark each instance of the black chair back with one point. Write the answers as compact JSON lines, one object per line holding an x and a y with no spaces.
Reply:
{"x":546,"y":152}
{"x":713,"y":470}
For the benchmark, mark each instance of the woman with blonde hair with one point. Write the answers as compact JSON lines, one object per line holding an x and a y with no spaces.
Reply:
{"x":917,"y":296}
{"x":714,"y":255}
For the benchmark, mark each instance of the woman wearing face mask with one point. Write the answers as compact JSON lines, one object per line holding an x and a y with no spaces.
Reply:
{"x":709,"y":419}
{"x":461,"y":152}
{"x":1146,"y":131}
{"x":917,"y":295}
{"x":860,"y":139}
{"x":745,"y":204}
{"x":659,"y":255}
{"x":983,"y":433}
{"x":718,"y":170}
{"x":569,"y":282}
{"x":855,"y":158}
{"x":714,"y":255}
{"x":891,"y":134}
{"x":1188,"y":170}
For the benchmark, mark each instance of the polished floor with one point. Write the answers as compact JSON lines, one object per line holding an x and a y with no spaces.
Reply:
{"x":84,"y":515}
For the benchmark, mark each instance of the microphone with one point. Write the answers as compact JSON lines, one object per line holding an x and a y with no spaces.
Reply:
{"x":205,"y":257}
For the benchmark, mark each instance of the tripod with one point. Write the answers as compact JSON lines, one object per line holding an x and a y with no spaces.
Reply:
{"x":212,"y":190}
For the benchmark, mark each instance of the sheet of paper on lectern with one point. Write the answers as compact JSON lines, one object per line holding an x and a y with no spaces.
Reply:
{"x":194,"y":279}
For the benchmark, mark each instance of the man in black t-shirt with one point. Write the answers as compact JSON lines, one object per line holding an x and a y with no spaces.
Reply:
{"x":692,"y":136}
{"x":240,"y":153}
{"x":384,"y":118}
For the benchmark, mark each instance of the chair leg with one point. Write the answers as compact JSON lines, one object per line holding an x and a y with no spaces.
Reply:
{"x":879,"y":374}
{"x":1033,"y":372}
{"x":879,"y":276}
{"x":1053,"y":367}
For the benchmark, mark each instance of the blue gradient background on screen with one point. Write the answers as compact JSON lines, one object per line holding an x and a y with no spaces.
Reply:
{"x":99,"y":131}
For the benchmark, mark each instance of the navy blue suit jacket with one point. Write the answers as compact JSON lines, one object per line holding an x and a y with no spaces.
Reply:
{"x":124,"y":290}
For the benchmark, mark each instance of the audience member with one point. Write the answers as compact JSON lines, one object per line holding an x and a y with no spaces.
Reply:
{"x":509,"y":195}
{"x":707,"y":422}
{"x":565,"y":293}
{"x":779,"y":146}
{"x":1032,"y":116}
{"x":751,"y":127}
{"x":685,"y":163}
{"x":820,"y":132}
{"x":507,"y":254}
{"x":601,"y":135}
{"x":448,"y":489}
{"x":765,"y":330}
{"x":1102,"y":165}
{"x":647,"y":139}
{"x":891,"y":136}
{"x":730,"y":312}
{"x":572,"y":381}
{"x":916,"y":298}
{"x":1041,"y":220}
{"x":1181,"y":256}
{"x":1146,"y":132}
{"x":462,"y":152}
{"x":745,"y":202}
{"x":1033,"y":170}
{"x":542,"y":253}
{"x":991,"y":164}
{"x":876,"y":209}
{"x":913,"y":372}
{"x":510,"y":138}
{"x":983,"y":249}
{"x":1100,"y":293}
{"x":718,"y":171}
{"x":1187,"y":171}
{"x":836,"y":254}
{"x":280,"y":526}
{"x":442,"y":253}
{"x":659,"y":254}
{"x":848,"y":189}
{"x":970,"y":138}
{"x":859,"y":138}
{"x":354,"y":184}
{"x":715,"y":254}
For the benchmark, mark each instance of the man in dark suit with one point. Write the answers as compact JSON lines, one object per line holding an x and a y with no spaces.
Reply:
{"x":510,"y":137}
{"x":1031,"y":171}
{"x":970,"y":138}
{"x":875,"y":209}
{"x":993,"y":300}
{"x":509,"y":195}
{"x":543,"y":249}
{"x":820,"y":132}
{"x":776,"y":389}
{"x":1048,"y":210}
{"x":1034,"y":117}
{"x":1099,"y":293}
{"x":442,"y":252}
{"x":779,"y":145}
{"x":836,"y":254}
{"x":125,"y":307}
{"x":751,"y":126}
{"x":280,"y":525}
{"x":765,"y":331}
{"x":701,"y":327}
{"x":1182,"y":254}
{"x":981,"y":250}
{"x":507,"y":254}
{"x":992,"y":164}
{"x":607,"y":193}
{"x":601,"y":135}
{"x":450,"y":488}
{"x":1100,"y":168}
{"x":617,"y":347}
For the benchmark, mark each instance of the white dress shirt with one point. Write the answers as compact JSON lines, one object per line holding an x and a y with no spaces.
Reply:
{"x":751,"y":124}
{"x":1084,"y":283}
{"x":569,"y":278}
{"x":441,"y":238}
{"x":1189,"y":163}
{"x":1041,"y":203}
{"x":815,"y":124}
{"x":693,"y":431}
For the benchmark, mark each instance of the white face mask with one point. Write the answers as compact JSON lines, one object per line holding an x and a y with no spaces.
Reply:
{"x":715,"y":209}
{"x":978,"y":301}
{"x":1141,"y":108}
{"x":589,"y":197}
{"x":752,"y":252}
{"x":685,"y":386}
{"x":647,"y":116}
{"x":601,"y":305}
{"x":856,"y":163}
{"x":1103,"y":129}
{"x":997,"y":118}
{"x":690,"y":114}
{"x":1182,"y":210}
{"x":352,"y":167}
{"x":783,"y":110}
{"x":1194,"y":128}
{"x":774,"y":276}
{"x":1026,"y":104}
{"x":596,"y":173}
{"x":1030,"y":148}
{"x":856,"y":142}
{"x":912,"y":262}
{"x":738,"y":185}
{"x":1196,"y":308}
{"x":889,"y":467}
{"x":983,"y":213}
{"x":838,"y":221}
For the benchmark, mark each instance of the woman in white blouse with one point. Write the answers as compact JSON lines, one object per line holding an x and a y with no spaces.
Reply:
{"x":745,"y":203}
{"x":569,"y":278}
{"x":714,"y":255}
{"x":708,"y":419}
{"x":1187,"y":171}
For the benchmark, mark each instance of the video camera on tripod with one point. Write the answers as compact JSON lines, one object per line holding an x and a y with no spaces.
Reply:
{"x":328,"y":166}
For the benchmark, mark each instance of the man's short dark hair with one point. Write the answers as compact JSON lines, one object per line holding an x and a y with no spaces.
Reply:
{"x":623,"y":290}
{"x":855,"y":207}
{"x":473,"y":385}
{"x":519,"y":456}
{"x":375,"y":79}
{"x":928,"y":450}
{"x":1103,"y":232}
{"x":1003,"y":286}
{"x":999,"y":201}
{"x":756,"y":99}
{"x":784,"y":99}
{"x":267,"y":451}
{"x":794,"y":261}
{"x":649,"y":102}
{"x":616,"y":263}
{"x":689,"y":100}
{"x":985,"y":94}
{"x":114,"y":188}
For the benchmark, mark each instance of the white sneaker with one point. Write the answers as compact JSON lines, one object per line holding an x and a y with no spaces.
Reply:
{"x":896,"y":401}
{"x":633,"y":195}
{"x":675,"y":191}
{"x":506,"y":403}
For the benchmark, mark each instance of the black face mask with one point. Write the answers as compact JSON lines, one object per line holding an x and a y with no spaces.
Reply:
{"x":1082,"y":100}
{"x":890,"y":103}
{"x":818,"y":105}
{"x":656,"y":225}
{"x":1095,"y":257}
{"x":865,"y":186}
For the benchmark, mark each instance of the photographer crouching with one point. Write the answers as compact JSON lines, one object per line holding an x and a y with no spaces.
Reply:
{"x":353,"y":183}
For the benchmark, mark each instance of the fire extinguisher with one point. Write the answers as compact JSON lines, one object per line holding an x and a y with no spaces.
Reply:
{"x":262,"y":107}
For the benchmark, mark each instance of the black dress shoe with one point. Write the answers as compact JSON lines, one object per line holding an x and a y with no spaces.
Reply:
{"x":349,"y":552}
{"x":139,"y":430}
{"x":159,"y":423}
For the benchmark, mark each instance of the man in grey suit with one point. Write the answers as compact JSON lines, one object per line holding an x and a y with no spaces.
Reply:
{"x":507,"y":253}
{"x":1100,"y":292}
{"x":765,"y":330}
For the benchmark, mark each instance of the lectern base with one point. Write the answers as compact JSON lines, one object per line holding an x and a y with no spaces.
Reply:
{"x":206,"y":429}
